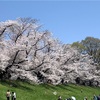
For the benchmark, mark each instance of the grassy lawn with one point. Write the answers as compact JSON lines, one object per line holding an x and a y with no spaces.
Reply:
{"x":27,"y":91}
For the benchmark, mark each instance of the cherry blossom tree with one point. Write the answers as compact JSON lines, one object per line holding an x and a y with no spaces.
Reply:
{"x":28,"y":53}
{"x":26,"y":47}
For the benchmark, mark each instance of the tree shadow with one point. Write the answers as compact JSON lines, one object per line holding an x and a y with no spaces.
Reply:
{"x":49,"y":86}
{"x":75,"y":87}
{"x":65,"y":87}
{"x":16,"y":84}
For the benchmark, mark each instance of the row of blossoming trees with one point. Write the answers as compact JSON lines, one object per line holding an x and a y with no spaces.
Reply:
{"x":28,"y":53}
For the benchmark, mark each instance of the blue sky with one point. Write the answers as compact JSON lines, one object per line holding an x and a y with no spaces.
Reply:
{"x":69,"y":21}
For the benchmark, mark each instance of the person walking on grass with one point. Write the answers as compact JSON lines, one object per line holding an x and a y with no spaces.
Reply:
{"x":8,"y":95}
{"x":13,"y":96}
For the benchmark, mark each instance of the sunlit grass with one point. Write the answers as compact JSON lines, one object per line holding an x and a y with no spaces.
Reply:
{"x":26,"y":91}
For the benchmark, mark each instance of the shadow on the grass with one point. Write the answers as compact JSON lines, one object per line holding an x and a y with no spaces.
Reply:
{"x":57,"y":87}
{"x":65,"y":87}
{"x":49,"y":86}
{"x":16,"y":84}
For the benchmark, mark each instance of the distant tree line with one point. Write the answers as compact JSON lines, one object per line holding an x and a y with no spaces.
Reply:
{"x":91,"y":46}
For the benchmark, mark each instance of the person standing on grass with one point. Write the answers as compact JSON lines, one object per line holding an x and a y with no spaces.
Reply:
{"x":13,"y":96}
{"x":8,"y":94}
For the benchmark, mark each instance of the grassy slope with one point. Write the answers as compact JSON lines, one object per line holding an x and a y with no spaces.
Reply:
{"x":26,"y":91}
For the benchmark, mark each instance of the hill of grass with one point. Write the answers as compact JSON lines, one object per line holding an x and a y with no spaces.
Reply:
{"x":26,"y":91}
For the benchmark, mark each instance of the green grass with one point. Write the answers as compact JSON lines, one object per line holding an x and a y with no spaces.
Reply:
{"x":27,"y":91}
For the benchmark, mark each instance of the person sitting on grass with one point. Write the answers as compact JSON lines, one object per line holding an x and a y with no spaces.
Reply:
{"x":59,"y":98}
{"x":73,"y":98}
{"x":85,"y":98}
{"x":68,"y":99}
{"x":95,"y":97}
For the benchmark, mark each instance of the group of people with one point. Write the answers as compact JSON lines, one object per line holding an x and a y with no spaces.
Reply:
{"x":72,"y":98}
{"x":96,"y":97}
{"x":85,"y":98}
{"x":10,"y":95}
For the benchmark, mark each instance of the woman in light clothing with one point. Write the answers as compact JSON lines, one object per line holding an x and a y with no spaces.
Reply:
{"x":8,"y":94}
